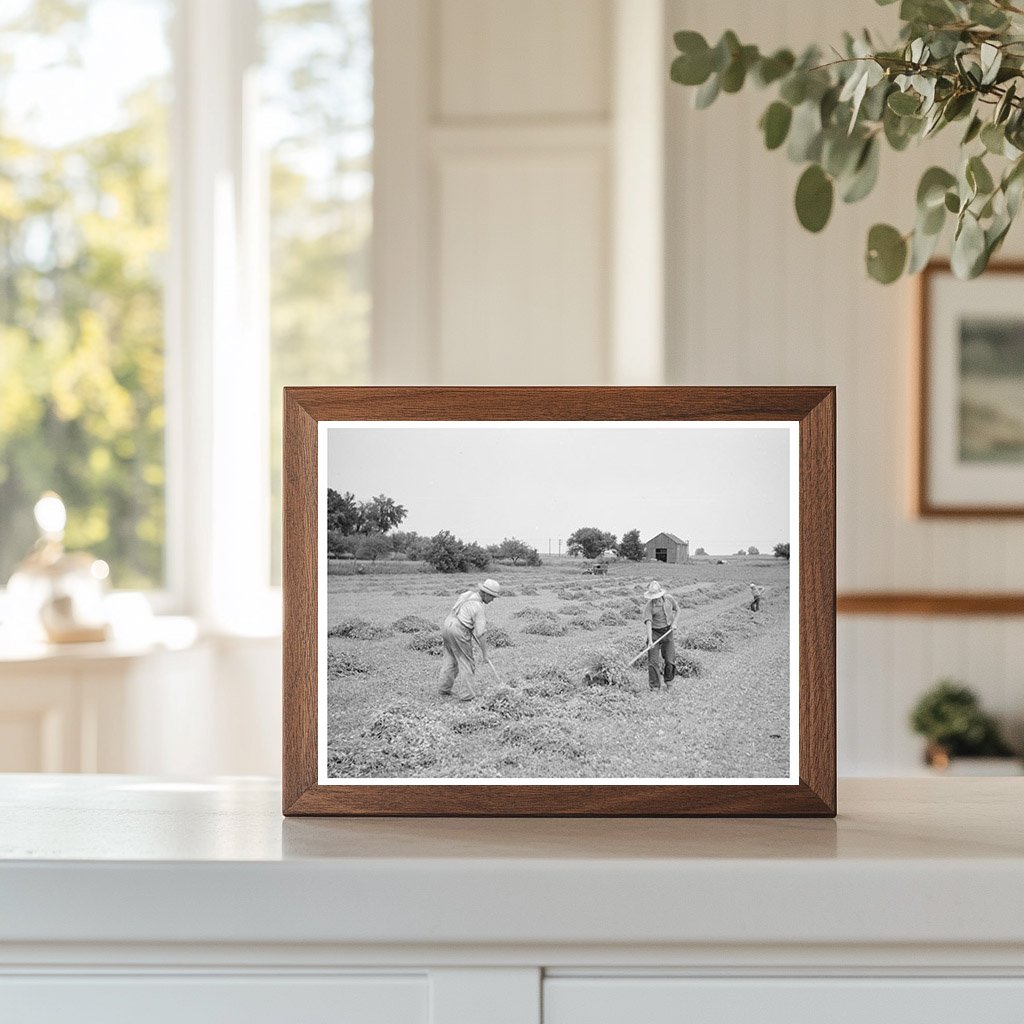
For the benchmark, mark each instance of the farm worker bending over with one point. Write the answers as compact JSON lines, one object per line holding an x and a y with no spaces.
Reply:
{"x":755,"y":597}
{"x":465,"y":621}
{"x":660,"y":613}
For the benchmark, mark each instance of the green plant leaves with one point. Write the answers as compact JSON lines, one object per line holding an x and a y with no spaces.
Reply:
{"x":956,"y":60}
{"x":693,"y":65}
{"x":969,"y":254}
{"x":887,"y":253}
{"x":775,"y":122}
{"x":814,"y":195}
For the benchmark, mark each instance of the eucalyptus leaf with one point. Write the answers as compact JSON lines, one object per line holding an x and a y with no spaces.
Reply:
{"x":922,"y":248}
{"x":707,"y":93}
{"x":978,"y":176}
{"x":993,"y":138}
{"x":771,"y":69}
{"x":814,"y":195}
{"x":973,"y":130}
{"x":805,"y":133}
{"x":886,"y":253}
{"x":865,"y":173}
{"x":775,"y":124}
{"x":724,"y":51}
{"x":931,"y":190}
{"x":904,"y":103}
{"x":968,"y":247}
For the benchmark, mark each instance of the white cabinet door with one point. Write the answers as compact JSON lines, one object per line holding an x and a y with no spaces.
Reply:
{"x":783,"y":1001}
{"x":202,"y":999}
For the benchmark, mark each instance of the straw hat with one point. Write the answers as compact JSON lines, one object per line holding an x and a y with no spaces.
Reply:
{"x":653,"y":590}
{"x":492,"y":587}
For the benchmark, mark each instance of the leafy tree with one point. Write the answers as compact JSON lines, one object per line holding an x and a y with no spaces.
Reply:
{"x":957,"y":61}
{"x":410,"y":544}
{"x":700,"y":551}
{"x":752,"y":550}
{"x":631,"y":546}
{"x":381,"y":514}
{"x":781,"y":551}
{"x":950,"y":716}
{"x":344,"y":513}
{"x":513,"y":550}
{"x":340,"y":544}
{"x":590,"y":542}
{"x":372,"y":546}
{"x":447,"y":553}
{"x":476,"y":556}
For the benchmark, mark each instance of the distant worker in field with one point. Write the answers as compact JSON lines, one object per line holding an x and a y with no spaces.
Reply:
{"x":660,"y":613}
{"x":465,"y":622}
{"x":755,"y":597}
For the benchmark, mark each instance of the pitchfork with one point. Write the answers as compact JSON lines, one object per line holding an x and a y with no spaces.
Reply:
{"x":650,"y":647}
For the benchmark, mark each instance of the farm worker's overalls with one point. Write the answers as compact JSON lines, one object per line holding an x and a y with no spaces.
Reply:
{"x":661,"y":613}
{"x":465,"y":620}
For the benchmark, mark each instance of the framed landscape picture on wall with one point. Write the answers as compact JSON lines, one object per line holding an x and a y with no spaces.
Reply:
{"x":559,"y":601}
{"x":971,"y":393}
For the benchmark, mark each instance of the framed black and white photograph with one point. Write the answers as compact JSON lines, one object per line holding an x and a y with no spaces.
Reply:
{"x":505,"y":609}
{"x":971,"y":404}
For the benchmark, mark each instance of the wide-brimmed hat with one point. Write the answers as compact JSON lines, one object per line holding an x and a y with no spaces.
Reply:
{"x":492,"y":587}
{"x":653,"y":590}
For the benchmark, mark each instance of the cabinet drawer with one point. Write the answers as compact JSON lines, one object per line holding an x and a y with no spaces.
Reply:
{"x":627,"y":1000}
{"x":202,"y":999}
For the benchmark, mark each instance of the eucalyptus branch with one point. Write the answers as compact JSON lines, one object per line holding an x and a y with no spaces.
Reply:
{"x":833,"y":117}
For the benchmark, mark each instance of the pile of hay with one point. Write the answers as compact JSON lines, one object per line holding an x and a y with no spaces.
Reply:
{"x":345,"y":663}
{"x":408,"y":738}
{"x":499,"y":638}
{"x":358,"y":629}
{"x":476,"y":721}
{"x":572,"y":595}
{"x":544,"y":627}
{"x":531,"y":611}
{"x":609,"y":667}
{"x":708,"y":639}
{"x":610,"y":618}
{"x":510,"y":704}
{"x":582,"y":622}
{"x":531,"y":591}
{"x":413,"y":624}
{"x":547,"y":681}
{"x":688,"y":666}
{"x":428,"y":643}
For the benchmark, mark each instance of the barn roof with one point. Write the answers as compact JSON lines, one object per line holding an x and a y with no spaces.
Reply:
{"x":671,"y":536}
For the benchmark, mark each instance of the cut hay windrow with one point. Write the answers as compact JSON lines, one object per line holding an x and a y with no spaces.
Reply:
{"x":544,"y":627}
{"x":532,"y":611}
{"x":477,"y":721}
{"x":610,"y":618}
{"x":688,"y":666}
{"x":547,"y":681}
{"x":345,"y":663}
{"x":510,"y":703}
{"x":428,"y":643}
{"x":414,"y":624}
{"x":609,"y":667}
{"x":708,"y":639}
{"x":358,"y":629}
{"x":499,"y":638}
{"x":582,"y":622}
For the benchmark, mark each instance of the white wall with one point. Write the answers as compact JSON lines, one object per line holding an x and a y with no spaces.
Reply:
{"x":754,"y":299}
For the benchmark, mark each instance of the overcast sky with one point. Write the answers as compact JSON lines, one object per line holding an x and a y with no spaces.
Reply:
{"x":720,"y":487}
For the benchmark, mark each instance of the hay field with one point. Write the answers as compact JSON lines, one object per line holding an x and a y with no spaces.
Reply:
{"x":728,"y":718}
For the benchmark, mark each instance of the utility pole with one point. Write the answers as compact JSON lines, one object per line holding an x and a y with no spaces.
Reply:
{"x":559,"y":547}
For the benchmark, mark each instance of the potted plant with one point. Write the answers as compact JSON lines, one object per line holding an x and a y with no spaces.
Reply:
{"x":950,"y":717}
{"x":956,"y":62}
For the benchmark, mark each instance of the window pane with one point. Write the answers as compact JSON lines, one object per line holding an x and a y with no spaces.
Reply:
{"x":83,"y":234}
{"x":318,"y":132}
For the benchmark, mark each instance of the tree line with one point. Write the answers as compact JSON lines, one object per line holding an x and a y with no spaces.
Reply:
{"x":367,"y":530}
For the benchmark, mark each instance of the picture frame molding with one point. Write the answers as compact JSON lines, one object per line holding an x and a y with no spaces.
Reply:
{"x":813,"y":408}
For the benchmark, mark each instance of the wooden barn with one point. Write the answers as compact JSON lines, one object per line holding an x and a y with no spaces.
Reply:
{"x":667,"y":547}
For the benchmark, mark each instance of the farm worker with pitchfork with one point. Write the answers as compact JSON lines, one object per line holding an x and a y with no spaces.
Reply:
{"x":465,"y":622}
{"x":660,"y":613}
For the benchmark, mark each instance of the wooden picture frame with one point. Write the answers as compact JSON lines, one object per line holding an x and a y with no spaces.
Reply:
{"x":807,"y":413}
{"x":956,"y":477}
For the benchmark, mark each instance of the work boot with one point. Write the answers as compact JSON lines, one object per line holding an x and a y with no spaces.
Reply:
{"x":466,"y":696}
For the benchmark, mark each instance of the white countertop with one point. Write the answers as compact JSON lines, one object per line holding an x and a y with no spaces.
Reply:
{"x":120,"y":859}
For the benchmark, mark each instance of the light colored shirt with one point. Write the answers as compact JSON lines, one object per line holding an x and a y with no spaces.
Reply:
{"x":660,"y":612}
{"x":469,"y":610}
